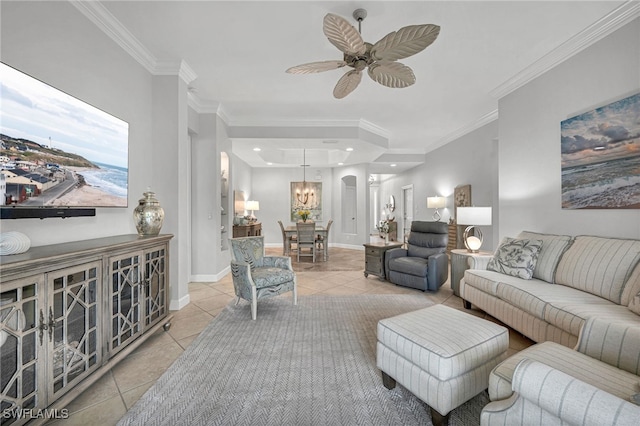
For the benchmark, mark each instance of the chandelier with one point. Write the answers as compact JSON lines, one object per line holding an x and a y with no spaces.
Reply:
{"x":303,"y":195}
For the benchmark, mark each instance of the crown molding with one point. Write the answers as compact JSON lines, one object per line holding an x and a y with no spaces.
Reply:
{"x":202,"y":106}
{"x":587,"y":37}
{"x":373,"y":128}
{"x":113,"y":28}
{"x":482,"y":121}
{"x":179,"y":68}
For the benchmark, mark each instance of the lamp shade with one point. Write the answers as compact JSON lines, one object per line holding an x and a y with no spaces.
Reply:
{"x":436,"y":202}
{"x":478,"y":216}
{"x":252,"y":205}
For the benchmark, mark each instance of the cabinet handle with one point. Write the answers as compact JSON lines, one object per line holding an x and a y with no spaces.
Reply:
{"x":52,"y":324}
{"x":43,"y":326}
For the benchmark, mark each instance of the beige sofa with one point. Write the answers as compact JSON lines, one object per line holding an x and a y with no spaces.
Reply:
{"x":575,"y":278}
{"x":584,"y":293}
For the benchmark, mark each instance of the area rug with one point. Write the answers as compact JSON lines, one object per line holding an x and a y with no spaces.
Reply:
{"x":310,"y":364}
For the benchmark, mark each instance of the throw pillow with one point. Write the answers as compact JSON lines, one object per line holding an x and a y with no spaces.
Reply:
{"x":516,"y":257}
{"x":553,"y":247}
{"x":634,"y":304}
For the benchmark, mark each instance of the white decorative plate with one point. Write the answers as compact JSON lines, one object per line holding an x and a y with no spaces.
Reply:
{"x":13,"y":242}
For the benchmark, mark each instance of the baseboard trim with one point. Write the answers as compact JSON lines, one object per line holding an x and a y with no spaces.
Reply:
{"x":176,"y":305}
{"x":208,"y":278}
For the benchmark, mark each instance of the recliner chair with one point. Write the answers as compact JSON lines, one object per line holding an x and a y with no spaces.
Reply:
{"x":424,"y":264}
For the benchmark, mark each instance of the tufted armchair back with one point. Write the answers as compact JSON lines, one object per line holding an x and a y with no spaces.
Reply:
{"x":248,"y":249}
{"x":427,"y":239}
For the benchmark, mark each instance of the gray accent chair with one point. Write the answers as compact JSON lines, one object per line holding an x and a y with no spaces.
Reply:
{"x":256,"y":276}
{"x":424,"y":264}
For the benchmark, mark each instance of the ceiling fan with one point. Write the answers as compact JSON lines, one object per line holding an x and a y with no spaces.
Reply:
{"x":379,"y":59}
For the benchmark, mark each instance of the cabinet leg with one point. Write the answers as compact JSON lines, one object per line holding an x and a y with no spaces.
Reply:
{"x":438,"y":419}
{"x":388,"y":381}
{"x":166,"y":326}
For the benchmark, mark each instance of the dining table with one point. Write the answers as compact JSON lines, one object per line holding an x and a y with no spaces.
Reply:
{"x":292,"y":230}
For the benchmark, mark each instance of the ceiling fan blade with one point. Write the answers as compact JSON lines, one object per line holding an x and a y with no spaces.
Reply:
{"x":405,"y":42}
{"x":347,"y":84}
{"x":314,"y":67}
{"x":342,"y":35}
{"x":392,"y":74}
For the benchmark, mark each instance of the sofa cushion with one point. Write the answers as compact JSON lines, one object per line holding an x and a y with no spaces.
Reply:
{"x":516,"y":257}
{"x":269,"y":276}
{"x":409,"y":265}
{"x":487,"y":281}
{"x":535,"y":296}
{"x":553,"y":246}
{"x":600,"y":266}
{"x":570,"y":315}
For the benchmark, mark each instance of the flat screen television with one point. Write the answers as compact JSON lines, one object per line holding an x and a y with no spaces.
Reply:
{"x":59,"y":156}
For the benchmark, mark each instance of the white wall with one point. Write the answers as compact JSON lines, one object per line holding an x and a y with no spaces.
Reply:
{"x":56,"y":44}
{"x":529,"y":154}
{"x":205,"y":213}
{"x":471,"y":159}
{"x":272,"y":188}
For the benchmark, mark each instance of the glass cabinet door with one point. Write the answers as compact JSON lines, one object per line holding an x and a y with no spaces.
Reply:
{"x":73,"y":326}
{"x":125,"y":276}
{"x":20,"y":347}
{"x":155,"y":285}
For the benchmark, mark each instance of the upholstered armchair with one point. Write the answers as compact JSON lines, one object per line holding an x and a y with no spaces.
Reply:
{"x":256,"y":276}
{"x":424,"y":263}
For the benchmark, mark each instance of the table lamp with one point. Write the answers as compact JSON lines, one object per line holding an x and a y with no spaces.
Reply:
{"x":253,"y":206}
{"x":436,"y":203}
{"x":472,"y":217}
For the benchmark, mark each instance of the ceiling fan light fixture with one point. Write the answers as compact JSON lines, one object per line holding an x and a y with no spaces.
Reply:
{"x":379,"y":58}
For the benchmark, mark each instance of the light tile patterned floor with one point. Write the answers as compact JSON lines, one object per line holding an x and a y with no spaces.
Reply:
{"x":106,"y":401}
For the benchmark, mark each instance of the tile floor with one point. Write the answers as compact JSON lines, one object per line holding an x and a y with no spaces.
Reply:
{"x":106,"y":401}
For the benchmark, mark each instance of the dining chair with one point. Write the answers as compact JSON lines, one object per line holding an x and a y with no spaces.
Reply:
{"x":322,"y":241}
{"x":287,"y":241}
{"x":256,"y":276}
{"x":306,"y":233}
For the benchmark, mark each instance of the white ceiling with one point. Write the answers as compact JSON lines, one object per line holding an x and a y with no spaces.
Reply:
{"x":240,"y":50}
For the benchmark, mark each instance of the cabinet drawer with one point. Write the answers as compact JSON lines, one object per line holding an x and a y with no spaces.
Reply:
{"x":374,"y":251}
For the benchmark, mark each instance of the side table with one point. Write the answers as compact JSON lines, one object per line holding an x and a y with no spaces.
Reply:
{"x":374,"y":257}
{"x":460,"y":263}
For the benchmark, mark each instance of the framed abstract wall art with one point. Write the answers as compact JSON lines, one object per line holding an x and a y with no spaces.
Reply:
{"x":601,"y":157}
{"x":306,"y":196}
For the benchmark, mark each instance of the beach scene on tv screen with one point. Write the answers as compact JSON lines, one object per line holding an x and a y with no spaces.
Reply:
{"x":56,"y":150}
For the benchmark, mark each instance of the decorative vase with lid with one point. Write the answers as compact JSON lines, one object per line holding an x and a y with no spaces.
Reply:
{"x":148,"y":215}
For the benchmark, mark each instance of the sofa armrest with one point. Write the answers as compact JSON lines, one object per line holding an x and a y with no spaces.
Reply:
{"x":396,"y":252}
{"x":392,"y":254}
{"x":283,"y":262}
{"x":616,"y":343}
{"x":437,"y":270}
{"x":478,"y":262}
{"x":544,"y":394}
{"x":242,"y":282}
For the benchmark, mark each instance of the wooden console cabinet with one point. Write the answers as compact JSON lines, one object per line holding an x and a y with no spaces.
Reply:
{"x":71,"y":311}
{"x":251,"y":230}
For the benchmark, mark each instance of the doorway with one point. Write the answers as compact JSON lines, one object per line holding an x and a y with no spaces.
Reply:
{"x":349,"y":205}
{"x":407,"y":211}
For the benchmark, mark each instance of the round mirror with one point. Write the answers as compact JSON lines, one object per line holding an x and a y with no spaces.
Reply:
{"x":392,"y":203}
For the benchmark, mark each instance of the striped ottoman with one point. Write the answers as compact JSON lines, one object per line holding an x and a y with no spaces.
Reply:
{"x":442,"y":355}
